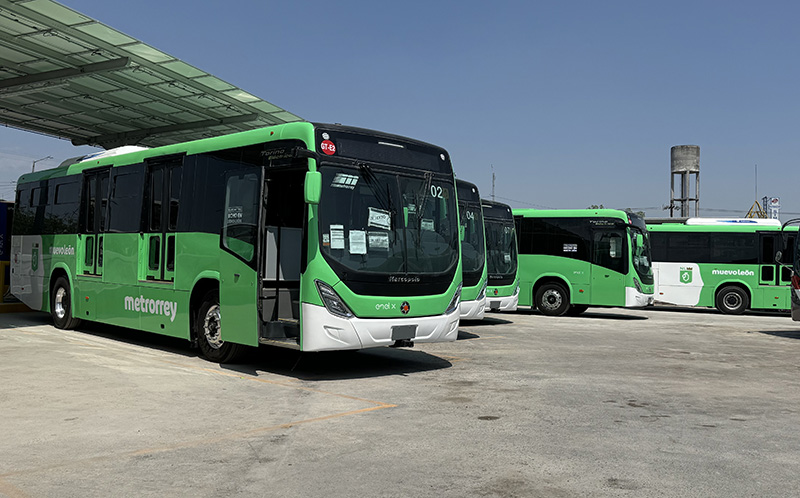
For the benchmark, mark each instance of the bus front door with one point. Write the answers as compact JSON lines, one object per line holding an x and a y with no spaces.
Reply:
{"x":773,"y":280}
{"x":608,"y":258}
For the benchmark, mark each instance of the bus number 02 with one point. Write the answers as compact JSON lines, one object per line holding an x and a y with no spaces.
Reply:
{"x":436,"y":191}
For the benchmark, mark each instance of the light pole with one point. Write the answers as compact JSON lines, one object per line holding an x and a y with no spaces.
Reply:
{"x":33,"y":167}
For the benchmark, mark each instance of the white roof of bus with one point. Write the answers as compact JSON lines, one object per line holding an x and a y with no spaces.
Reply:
{"x":734,"y":221}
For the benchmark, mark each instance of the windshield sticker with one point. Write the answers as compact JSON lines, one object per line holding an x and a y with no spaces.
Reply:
{"x":507,"y":257}
{"x":380,"y":218}
{"x":570,"y":247}
{"x":412,"y":209}
{"x":337,"y":236}
{"x":426,"y":224}
{"x":378,"y":240}
{"x":326,"y":239}
{"x":358,"y":242}
{"x":235,"y":215}
{"x":343,"y":180}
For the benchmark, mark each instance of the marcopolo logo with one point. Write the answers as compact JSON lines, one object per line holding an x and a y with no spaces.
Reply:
{"x":738,"y":273}
{"x":151,"y":306}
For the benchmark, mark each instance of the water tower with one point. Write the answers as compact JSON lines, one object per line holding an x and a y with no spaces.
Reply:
{"x":685,"y":162}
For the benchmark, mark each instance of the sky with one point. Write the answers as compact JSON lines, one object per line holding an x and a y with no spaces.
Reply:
{"x":569,"y":103}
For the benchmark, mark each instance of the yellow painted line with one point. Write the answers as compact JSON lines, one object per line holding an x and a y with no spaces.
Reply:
{"x":9,"y":491}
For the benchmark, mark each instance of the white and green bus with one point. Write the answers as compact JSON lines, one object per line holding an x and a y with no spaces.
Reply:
{"x":572,"y":259}
{"x":473,"y":251}
{"x":724,"y":263}
{"x":308,"y":236}
{"x":502,"y":291}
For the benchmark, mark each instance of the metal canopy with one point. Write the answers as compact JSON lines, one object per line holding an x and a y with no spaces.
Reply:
{"x":66,"y":75}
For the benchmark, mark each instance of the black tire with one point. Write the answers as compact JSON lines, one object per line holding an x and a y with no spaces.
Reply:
{"x":577,"y":309}
{"x":61,"y":305}
{"x":207,"y":332}
{"x":732,"y":300}
{"x":552,"y":299}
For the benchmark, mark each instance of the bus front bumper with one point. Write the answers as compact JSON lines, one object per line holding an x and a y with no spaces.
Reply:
{"x":636,"y":299}
{"x":323,"y":331}
{"x":473,"y":310}
{"x":507,"y":303}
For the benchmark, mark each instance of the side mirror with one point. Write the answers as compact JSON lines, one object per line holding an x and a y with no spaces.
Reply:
{"x":313,"y":187}
{"x":778,"y":256}
{"x":639,"y":239}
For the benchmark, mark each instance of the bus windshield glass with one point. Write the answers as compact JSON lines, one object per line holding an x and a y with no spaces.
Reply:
{"x":642,"y":261}
{"x":501,"y":247}
{"x":378,"y":219}
{"x":473,"y":248}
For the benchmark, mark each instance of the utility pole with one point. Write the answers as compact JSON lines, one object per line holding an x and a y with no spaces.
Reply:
{"x":493,"y":177}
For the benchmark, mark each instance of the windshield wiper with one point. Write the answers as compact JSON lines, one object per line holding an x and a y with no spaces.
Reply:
{"x":384,"y":198}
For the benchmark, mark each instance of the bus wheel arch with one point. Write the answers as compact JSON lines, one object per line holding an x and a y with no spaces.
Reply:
{"x":551,"y":296}
{"x":205,"y":324}
{"x":61,"y":301}
{"x":732,"y":299}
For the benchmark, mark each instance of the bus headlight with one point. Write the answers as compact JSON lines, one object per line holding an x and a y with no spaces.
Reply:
{"x":333,"y":303}
{"x":454,"y":302}
{"x":482,"y":293}
{"x":637,"y":285}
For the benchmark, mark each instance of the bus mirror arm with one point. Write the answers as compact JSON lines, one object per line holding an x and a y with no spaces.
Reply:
{"x":305,"y":153}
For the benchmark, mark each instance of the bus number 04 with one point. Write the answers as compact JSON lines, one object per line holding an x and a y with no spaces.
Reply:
{"x":436,"y":191}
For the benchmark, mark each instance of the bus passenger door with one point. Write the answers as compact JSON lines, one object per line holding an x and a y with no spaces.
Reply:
{"x":157,"y":243}
{"x":773,"y":280}
{"x":609,"y":261}
{"x":238,"y":257}
{"x":94,"y":218}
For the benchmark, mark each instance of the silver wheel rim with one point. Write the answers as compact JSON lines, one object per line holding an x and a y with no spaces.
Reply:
{"x":211,"y":327}
{"x":732,"y":300}
{"x":551,"y":300}
{"x":59,"y":308}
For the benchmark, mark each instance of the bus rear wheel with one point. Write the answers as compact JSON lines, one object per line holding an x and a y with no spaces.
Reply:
{"x":732,"y":300}
{"x":61,"y":305}
{"x":207,"y":332}
{"x":552,"y":299}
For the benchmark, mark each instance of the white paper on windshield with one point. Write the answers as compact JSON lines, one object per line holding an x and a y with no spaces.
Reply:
{"x":412,"y":208}
{"x":378,"y":240}
{"x":358,"y":242}
{"x":380,"y":218}
{"x":337,"y":236}
{"x":426,"y":224}
{"x":507,"y":257}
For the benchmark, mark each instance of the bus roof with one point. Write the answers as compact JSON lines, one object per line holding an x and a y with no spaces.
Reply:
{"x":571,"y":213}
{"x":759,"y":222}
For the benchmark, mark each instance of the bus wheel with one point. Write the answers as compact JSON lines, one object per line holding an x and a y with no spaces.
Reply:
{"x":551,"y":299}
{"x":61,"y":305}
{"x":732,"y":300}
{"x":207,"y":332}
{"x":577,"y":309}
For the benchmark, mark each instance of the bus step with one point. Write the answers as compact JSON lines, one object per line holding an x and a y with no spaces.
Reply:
{"x":290,"y":343}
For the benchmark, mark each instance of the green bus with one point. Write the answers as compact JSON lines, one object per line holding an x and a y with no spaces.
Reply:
{"x":473,"y":251}
{"x":308,"y":236}
{"x":789,"y":258}
{"x":502,"y":292}
{"x":724,"y":263}
{"x":572,"y":259}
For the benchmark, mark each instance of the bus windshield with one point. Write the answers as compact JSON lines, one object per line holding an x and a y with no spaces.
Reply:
{"x":473,"y":249}
{"x":501,"y":248}
{"x":379,"y":219}
{"x":642,"y":261}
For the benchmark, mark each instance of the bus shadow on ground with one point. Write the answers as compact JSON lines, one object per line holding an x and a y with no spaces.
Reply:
{"x":338,"y":365}
{"x":786,"y":334}
{"x":488,"y":320}
{"x":596,"y":314}
{"x":714,"y":311}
